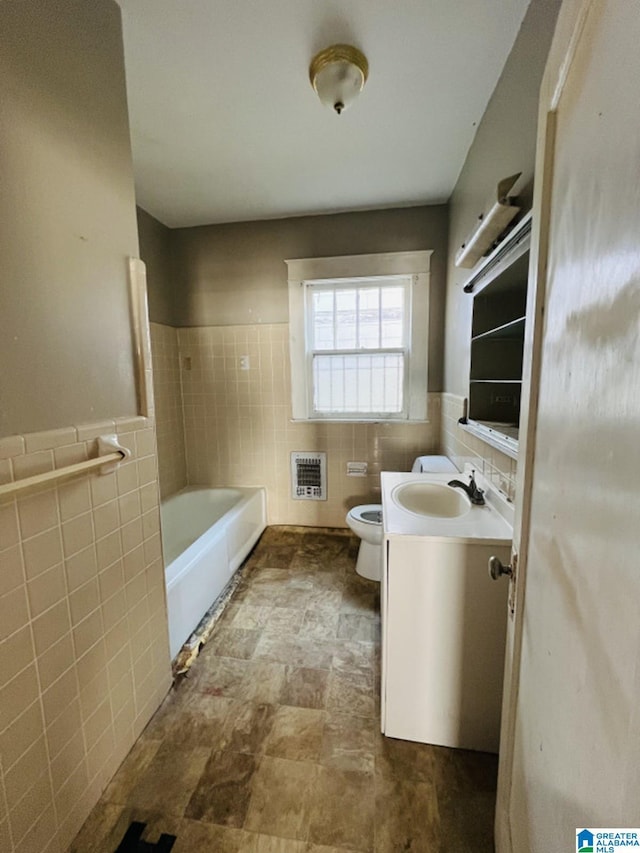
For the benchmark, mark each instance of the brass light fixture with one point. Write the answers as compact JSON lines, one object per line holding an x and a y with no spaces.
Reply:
{"x":338,"y":74}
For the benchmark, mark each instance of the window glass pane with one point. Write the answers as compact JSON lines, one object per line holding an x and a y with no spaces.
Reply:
{"x":346,"y":300}
{"x":323,"y":327}
{"x":369,"y":318}
{"x":323,"y":300}
{"x":392,"y":316}
{"x":346,"y":321}
{"x":363,"y":383}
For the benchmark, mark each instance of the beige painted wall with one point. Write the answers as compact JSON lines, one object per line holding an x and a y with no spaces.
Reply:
{"x":235,"y":274}
{"x":155,"y":248}
{"x":504,"y":145}
{"x":67,"y":216}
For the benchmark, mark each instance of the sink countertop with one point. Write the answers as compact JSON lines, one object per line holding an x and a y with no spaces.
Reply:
{"x":491,"y":523}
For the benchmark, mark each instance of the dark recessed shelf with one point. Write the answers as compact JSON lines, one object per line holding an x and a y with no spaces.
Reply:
{"x":497,"y":343}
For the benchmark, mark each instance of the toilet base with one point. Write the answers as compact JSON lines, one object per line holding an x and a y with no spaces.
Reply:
{"x":369,"y":564}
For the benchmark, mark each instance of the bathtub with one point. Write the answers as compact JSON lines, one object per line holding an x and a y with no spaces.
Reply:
{"x":206,"y":534}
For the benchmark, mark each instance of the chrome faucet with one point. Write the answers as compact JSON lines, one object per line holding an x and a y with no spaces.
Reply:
{"x":476,"y":495}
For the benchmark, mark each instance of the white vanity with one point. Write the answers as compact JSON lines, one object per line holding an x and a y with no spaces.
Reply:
{"x":443,"y":619}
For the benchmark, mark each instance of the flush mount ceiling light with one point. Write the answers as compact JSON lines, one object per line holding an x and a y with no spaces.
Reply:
{"x":338,"y":74}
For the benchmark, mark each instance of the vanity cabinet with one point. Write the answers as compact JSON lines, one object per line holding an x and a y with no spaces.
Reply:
{"x":499,"y":291}
{"x":444,"y":641}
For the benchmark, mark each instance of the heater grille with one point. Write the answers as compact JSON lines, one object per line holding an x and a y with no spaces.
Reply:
{"x":309,"y":476}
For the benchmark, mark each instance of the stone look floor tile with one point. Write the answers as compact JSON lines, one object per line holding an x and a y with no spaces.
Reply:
{"x":305,"y":687}
{"x":325,"y":600}
{"x":296,"y":734}
{"x":319,"y":561}
{"x":233,"y":642}
{"x":224,"y":790}
{"x":319,"y":625}
{"x":354,"y":657}
{"x":280,"y":796}
{"x":271,"y":844}
{"x":247,"y":727}
{"x":272,"y":743}
{"x":356,"y":626}
{"x":403,"y":759}
{"x":169,"y":780}
{"x":191,"y":719}
{"x":250,"y":616}
{"x":99,"y":829}
{"x":316,"y":654}
{"x":218,"y":676}
{"x":352,"y":693}
{"x":459,"y":813}
{"x":348,"y":743}
{"x":398,"y":803}
{"x":104,"y":829}
{"x":320,"y":848}
{"x":263,"y":682}
{"x":197,"y":837}
{"x":343,"y":810}
{"x":274,"y":556}
{"x":285,"y":535}
{"x":131,"y":770}
{"x":283,"y":622}
{"x":358,"y":601}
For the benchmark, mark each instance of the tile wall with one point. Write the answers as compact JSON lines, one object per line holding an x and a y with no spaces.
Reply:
{"x":84,"y":658}
{"x":463,"y":447}
{"x":172,"y":466}
{"x":238,"y":428}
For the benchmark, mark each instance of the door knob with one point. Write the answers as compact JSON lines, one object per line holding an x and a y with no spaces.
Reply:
{"x":496,"y":569}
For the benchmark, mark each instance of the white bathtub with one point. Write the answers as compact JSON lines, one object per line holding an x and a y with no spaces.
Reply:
{"x":206,"y":534}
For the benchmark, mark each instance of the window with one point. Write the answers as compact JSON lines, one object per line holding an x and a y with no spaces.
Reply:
{"x":359,"y":337}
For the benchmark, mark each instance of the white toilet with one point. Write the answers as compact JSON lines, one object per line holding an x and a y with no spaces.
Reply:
{"x":366,"y":520}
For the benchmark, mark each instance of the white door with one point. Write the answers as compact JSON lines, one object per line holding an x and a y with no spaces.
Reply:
{"x":570,"y":747}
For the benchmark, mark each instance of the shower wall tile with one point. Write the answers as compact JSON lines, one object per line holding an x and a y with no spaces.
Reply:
{"x":168,"y":409}
{"x":463,"y":447}
{"x":238,"y":428}
{"x":84,"y":655}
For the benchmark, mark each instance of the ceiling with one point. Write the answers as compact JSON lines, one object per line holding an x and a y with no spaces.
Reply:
{"x":226,"y":127}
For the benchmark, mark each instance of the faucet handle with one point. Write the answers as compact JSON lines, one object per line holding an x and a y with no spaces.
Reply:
{"x":476,"y":494}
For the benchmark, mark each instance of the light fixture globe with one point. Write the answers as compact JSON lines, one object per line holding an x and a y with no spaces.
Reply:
{"x":338,"y":74}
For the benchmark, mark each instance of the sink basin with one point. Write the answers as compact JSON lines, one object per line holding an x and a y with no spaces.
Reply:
{"x":431,"y":499}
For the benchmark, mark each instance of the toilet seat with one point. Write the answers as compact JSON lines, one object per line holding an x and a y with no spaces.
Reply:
{"x":367,"y":513}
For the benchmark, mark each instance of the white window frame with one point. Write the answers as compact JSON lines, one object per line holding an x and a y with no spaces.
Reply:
{"x":306,"y":271}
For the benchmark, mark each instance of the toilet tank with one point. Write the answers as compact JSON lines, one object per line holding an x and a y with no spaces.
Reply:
{"x":434,"y":465}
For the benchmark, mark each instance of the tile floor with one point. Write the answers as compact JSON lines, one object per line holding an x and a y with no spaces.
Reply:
{"x":272,"y":743}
